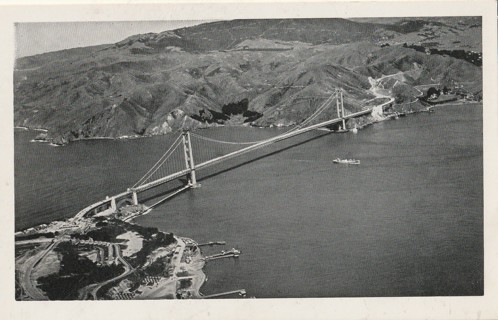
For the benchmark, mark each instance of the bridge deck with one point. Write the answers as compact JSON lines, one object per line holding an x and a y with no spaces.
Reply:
{"x":247,"y":149}
{"x":208,"y":163}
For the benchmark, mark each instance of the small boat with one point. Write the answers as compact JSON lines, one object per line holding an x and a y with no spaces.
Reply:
{"x":346,"y":161}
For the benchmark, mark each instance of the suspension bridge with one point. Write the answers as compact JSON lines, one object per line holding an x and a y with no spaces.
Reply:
{"x":178,"y":160}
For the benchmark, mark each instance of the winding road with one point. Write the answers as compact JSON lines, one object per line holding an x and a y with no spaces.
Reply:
{"x":91,"y":290}
{"x":30,"y":288}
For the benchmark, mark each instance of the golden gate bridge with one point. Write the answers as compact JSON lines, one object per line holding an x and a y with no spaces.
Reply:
{"x":178,"y":162}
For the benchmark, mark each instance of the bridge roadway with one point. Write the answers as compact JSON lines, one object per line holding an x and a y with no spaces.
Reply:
{"x":84,"y":211}
{"x":277,"y":139}
{"x":208,"y":163}
{"x":248,"y":149}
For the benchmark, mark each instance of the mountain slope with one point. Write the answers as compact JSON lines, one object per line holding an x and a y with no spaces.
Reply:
{"x":262,"y":72}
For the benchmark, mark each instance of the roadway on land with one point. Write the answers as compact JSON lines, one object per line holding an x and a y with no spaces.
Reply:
{"x":94,"y":288}
{"x":27,"y":282}
{"x":168,"y":286}
{"x":34,"y":241}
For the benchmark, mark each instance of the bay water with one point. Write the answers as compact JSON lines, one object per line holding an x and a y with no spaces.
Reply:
{"x":408,"y":221}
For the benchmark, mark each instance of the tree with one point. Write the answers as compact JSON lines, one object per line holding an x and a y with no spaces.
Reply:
{"x":433,"y":91}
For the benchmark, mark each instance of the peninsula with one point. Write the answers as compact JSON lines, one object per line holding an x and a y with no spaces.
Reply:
{"x":104,"y":257}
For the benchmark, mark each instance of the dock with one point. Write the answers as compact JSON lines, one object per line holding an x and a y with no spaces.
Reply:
{"x":224,"y":254}
{"x":221,"y":257}
{"x":241,"y":292}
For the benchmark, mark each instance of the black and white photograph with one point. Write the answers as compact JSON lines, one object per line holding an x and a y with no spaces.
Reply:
{"x":249,"y":158}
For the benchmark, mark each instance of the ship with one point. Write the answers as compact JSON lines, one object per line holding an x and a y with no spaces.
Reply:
{"x":346,"y":161}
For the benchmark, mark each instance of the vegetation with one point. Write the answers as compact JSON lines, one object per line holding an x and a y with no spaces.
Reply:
{"x":185,"y":283}
{"x":35,"y":236}
{"x":469,"y":56}
{"x":199,"y":76}
{"x":106,"y":231}
{"x":157,"y":268}
{"x":182,"y":274}
{"x":78,"y":271}
{"x":150,"y":244}
{"x":75,"y":273}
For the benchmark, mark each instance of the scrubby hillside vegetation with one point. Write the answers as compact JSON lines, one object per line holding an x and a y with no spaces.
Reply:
{"x":253,"y":72}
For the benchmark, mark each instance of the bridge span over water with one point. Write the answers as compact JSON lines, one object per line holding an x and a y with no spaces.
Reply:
{"x":160,"y":174}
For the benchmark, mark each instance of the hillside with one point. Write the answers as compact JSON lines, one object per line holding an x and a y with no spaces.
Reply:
{"x":454,"y":33}
{"x":258,"y":72}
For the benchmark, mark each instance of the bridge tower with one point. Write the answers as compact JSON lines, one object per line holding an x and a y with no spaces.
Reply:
{"x":342,"y":112}
{"x":189,"y":160}
{"x":134,"y":195}
{"x":340,"y":107}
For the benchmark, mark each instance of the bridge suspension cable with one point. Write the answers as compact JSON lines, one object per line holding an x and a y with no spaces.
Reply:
{"x":313,"y":116}
{"x":222,"y":141}
{"x":317,"y":112}
{"x":159,"y":162}
{"x":182,"y":163}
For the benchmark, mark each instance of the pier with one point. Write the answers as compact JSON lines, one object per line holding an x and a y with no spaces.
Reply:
{"x":240,"y":292}
{"x":224,"y":254}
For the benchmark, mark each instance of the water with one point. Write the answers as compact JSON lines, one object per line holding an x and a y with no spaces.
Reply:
{"x":408,"y":221}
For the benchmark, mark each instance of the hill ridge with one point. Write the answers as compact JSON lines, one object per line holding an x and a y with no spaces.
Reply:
{"x":150,"y":83}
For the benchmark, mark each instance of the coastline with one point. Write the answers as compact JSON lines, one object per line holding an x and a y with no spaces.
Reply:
{"x":125,"y":138}
{"x":30,"y":129}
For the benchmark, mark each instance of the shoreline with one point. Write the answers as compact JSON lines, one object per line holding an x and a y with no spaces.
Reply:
{"x":127,"y":137}
{"x":30,"y":129}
